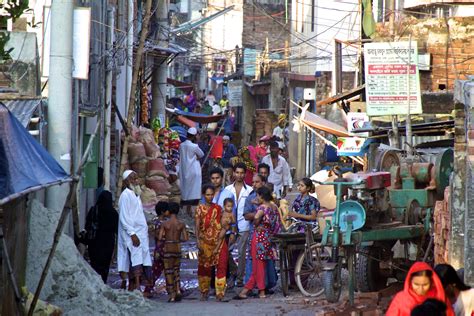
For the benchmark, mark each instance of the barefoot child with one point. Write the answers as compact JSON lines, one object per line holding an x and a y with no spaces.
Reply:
{"x":225,"y":240}
{"x":172,"y":232}
{"x":160,"y":208}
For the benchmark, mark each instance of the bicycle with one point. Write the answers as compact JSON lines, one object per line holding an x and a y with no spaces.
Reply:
{"x":309,"y":265}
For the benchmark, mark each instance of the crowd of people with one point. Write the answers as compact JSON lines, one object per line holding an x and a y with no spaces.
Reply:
{"x":235,"y":205}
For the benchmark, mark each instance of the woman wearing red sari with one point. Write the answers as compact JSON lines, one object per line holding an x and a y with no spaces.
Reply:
{"x":267,"y":224}
{"x":421,"y":283}
{"x":208,"y":227}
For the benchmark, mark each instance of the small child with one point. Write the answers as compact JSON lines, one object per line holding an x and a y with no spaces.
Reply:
{"x":160,"y":208}
{"x":226,"y":239}
{"x":228,"y":225}
{"x":172,"y":232}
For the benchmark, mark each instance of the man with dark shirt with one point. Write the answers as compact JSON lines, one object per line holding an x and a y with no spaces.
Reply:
{"x":229,"y":152}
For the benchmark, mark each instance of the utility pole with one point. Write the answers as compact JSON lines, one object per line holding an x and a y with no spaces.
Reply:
{"x":60,"y":95}
{"x":131,"y":103}
{"x":160,"y":71}
{"x":108,"y":95}
{"x":395,"y":133}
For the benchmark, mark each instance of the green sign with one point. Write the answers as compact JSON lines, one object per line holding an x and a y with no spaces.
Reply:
{"x":89,"y":175}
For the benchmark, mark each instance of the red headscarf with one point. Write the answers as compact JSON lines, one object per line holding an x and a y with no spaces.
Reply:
{"x":403,"y":303}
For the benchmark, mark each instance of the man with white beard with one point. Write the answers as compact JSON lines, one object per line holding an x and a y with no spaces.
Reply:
{"x":133,"y":234}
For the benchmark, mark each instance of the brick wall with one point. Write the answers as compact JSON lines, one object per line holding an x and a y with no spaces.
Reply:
{"x":258,"y":26}
{"x":450,"y":48}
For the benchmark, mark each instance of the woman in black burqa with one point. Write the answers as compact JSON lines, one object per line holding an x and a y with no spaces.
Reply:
{"x":101,"y":227}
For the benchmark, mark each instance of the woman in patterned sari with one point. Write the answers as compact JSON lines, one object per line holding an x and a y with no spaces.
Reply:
{"x":267,"y":224}
{"x":208,"y":226}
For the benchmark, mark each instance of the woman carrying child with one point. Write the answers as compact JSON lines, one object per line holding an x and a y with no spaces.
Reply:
{"x":266,"y":223}
{"x":208,"y":227}
{"x":226,"y":239}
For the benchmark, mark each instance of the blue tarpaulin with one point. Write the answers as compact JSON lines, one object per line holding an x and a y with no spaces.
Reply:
{"x":25,"y":165}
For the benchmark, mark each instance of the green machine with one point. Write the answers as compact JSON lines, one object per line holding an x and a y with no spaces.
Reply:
{"x":382,"y":223}
{"x":416,"y":187}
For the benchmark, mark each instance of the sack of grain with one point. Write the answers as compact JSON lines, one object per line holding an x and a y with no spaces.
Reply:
{"x":148,"y":198}
{"x":136,"y":151}
{"x":162,"y":198}
{"x":175,"y":198}
{"x":159,"y":184}
{"x":156,"y":167}
{"x":140,"y":167}
{"x":145,"y":135}
{"x":152,"y":150}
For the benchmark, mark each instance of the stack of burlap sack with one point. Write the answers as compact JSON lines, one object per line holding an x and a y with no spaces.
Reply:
{"x":145,"y":158}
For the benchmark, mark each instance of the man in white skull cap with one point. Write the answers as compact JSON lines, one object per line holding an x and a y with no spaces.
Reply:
{"x":190,"y":174}
{"x":133,"y":248}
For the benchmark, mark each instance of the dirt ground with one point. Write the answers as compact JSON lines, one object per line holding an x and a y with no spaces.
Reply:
{"x":276,"y":304}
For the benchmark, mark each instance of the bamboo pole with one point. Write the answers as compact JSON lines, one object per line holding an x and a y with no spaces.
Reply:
{"x":131,"y":103}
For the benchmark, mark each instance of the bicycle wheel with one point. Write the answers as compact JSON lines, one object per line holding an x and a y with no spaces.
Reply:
{"x":308,"y":270}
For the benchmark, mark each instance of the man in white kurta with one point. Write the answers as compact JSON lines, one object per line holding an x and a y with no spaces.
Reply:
{"x":280,"y":175}
{"x":133,"y":246}
{"x":190,"y":176}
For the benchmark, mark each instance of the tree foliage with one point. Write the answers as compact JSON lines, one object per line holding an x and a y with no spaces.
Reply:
{"x":13,"y":9}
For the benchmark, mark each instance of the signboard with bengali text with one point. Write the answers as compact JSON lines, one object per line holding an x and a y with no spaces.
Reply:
{"x":386,"y":84}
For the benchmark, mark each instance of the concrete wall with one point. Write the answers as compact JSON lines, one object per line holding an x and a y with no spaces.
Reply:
{"x":23,"y":71}
{"x":450,"y":51}
{"x":276,"y":97}
{"x":463,"y":205}
{"x":268,"y":22}
{"x":315,"y":25}
{"x":248,"y":114}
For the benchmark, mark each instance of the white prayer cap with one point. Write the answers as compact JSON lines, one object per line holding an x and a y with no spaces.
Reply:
{"x":192,"y":131}
{"x":127,"y":173}
{"x":226,"y":137}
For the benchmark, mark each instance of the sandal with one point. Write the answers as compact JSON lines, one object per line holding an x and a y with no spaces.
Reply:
{"x":238,"y":297}
{"x":179,"y":297}
{"x":262,"y":295}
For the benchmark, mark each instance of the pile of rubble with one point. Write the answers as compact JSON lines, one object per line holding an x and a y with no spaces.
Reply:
{"x":71,"y":283}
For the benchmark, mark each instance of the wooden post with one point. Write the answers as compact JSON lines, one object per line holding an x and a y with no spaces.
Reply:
{"x":131,"y":103}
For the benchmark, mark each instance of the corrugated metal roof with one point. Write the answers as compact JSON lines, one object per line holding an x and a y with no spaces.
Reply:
{"x":22,"y":109}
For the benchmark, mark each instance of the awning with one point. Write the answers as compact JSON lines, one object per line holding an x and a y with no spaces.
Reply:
{"x":184,"y":86}
{"x":25,"y":165}
{"x":315,"y":121}
{"x":22,"y":109}
{"x":196,"y":117}
{"x":320,"y":123}
{"x":185,"y":121}
{"x":342,"y":96}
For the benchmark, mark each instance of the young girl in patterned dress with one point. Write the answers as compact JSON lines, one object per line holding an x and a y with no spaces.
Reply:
{"x":305,"y":207}
{"x":267,"y":224}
